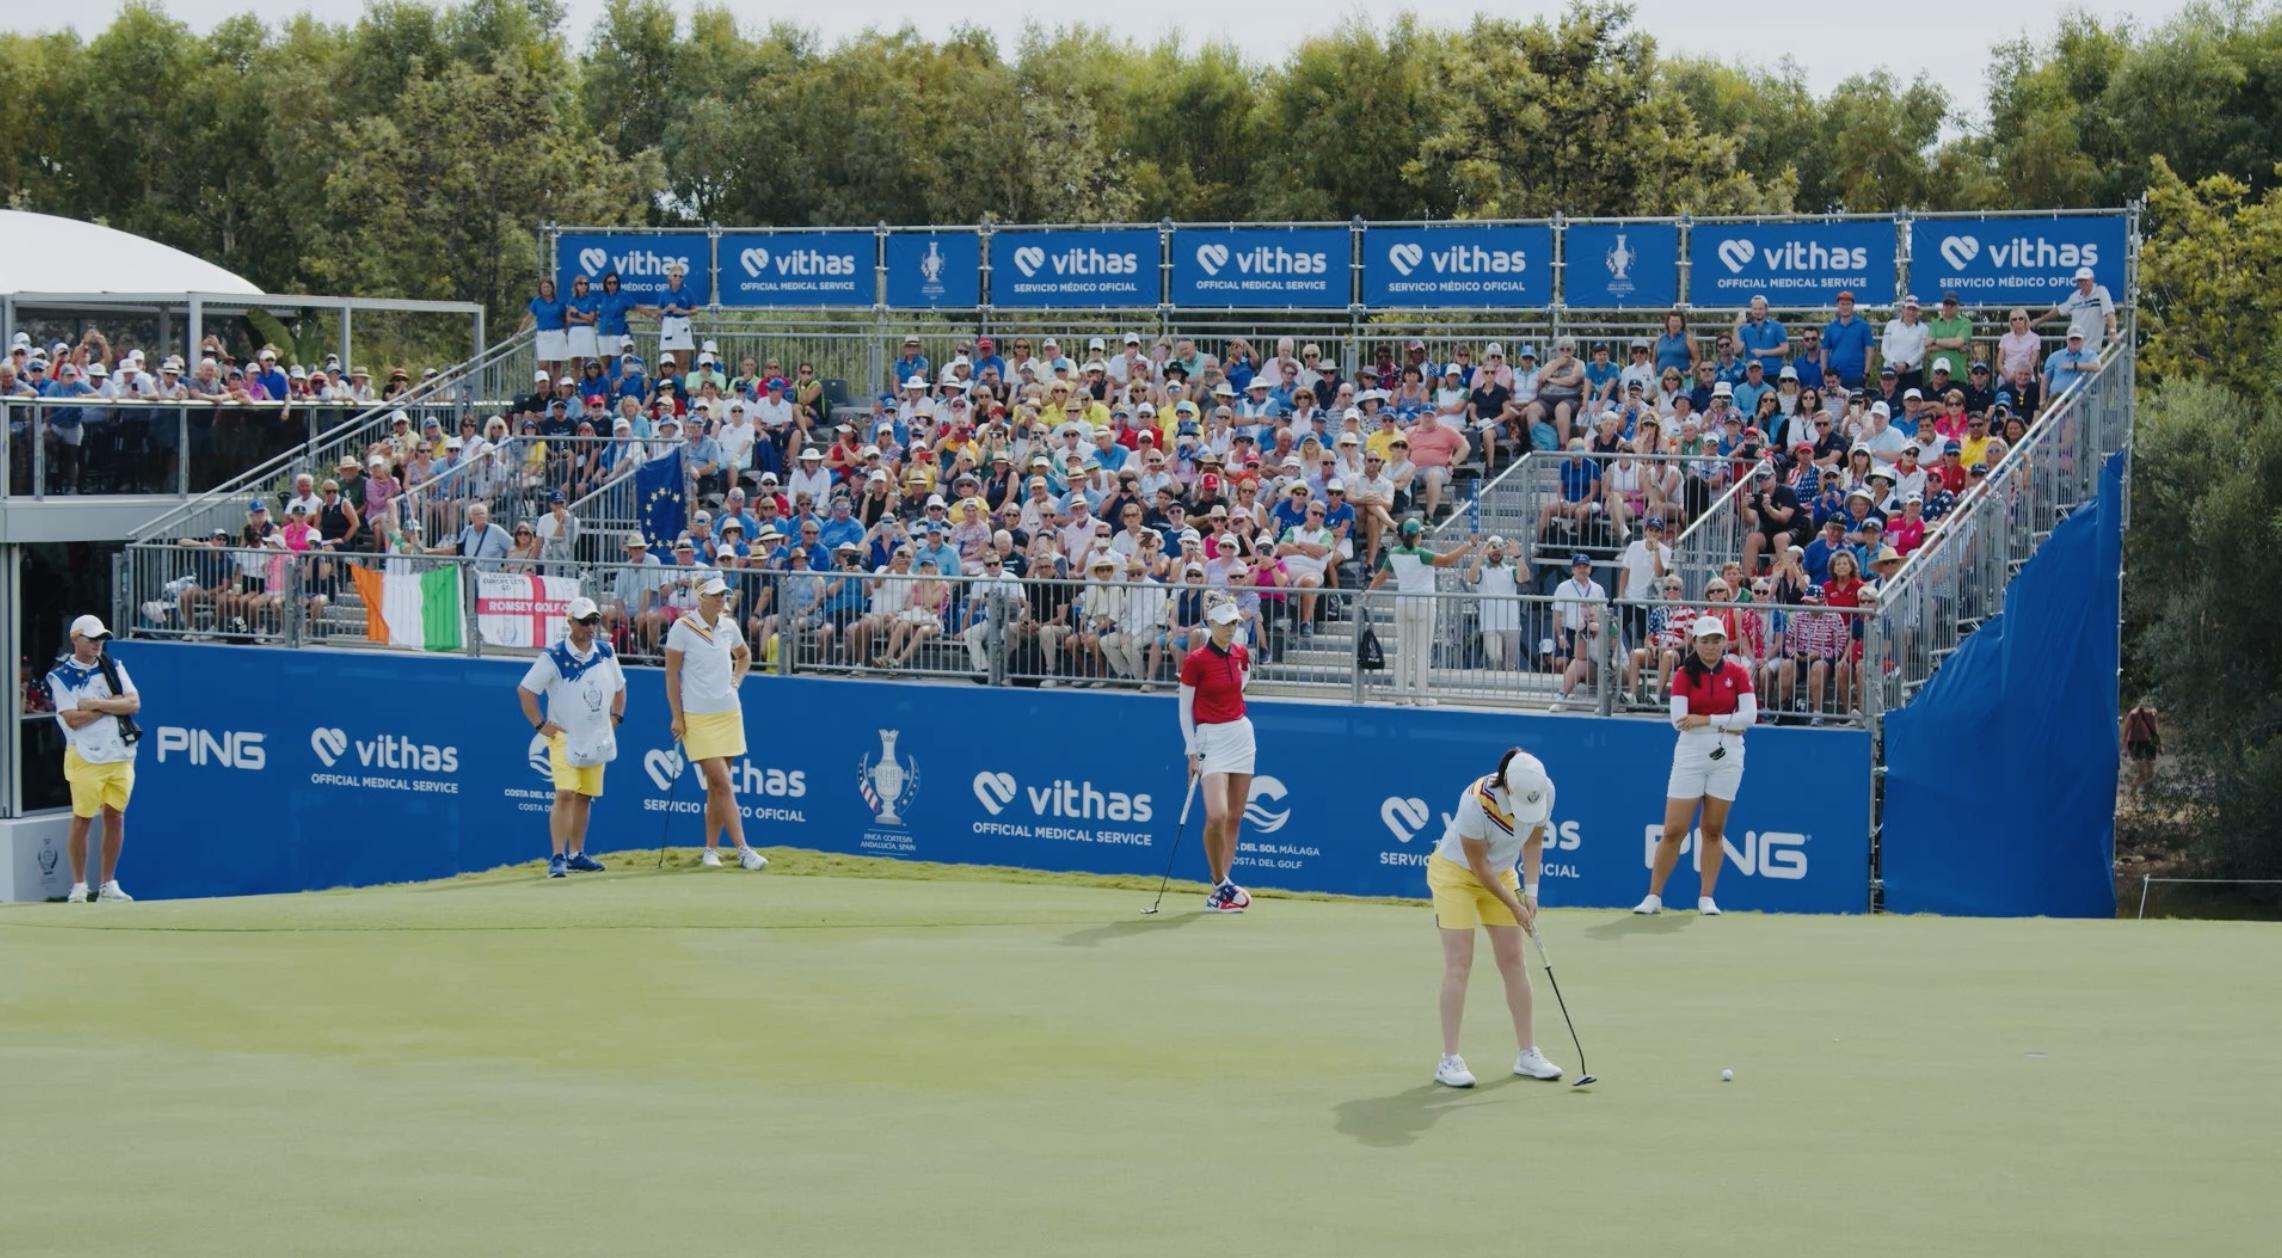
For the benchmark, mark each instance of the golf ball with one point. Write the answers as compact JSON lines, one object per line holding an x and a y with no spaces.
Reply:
{"x":1727,"y":1076}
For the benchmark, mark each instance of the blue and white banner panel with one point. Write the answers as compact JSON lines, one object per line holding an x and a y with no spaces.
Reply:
{"x":1791,"y":264}
{"x":1064,"y":269}
{"x":266,"y":781}
{"x":2015,"y":261}
{"x":1305,"y":267}
{"x":934,"y":270}
{"x":639,"y":258}
{"x":1458,"y":265}
{"x":799,"y":268}
{"x":1617,"y":266}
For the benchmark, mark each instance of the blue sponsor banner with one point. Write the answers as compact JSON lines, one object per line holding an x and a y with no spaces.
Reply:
{"x":1307,"y":267}
{"x":1458,"y":265}
{"x":2015,"y":261}
{"x":1791,"y":264}
{"x":432,"y":772}
{"x":799,"y":268}
{"x":1065,"y":269}
{"x":640,"y":260}
{"x":1616,"y":266}
{"x":934,"y":270}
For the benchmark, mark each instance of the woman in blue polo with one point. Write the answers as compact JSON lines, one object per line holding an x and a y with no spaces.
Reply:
{"x":551,"y":314}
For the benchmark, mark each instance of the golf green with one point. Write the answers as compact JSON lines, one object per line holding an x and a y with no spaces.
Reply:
{"x":715,"y":1062}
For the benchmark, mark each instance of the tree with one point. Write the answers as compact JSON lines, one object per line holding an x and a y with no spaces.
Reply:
{"x":2206,"y":279}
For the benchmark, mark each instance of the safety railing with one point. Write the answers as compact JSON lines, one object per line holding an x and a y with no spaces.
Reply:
{"x":514,"y":480}
{"x":1949,"y":586}
{"x":479,"y":384}
{"x":60,"y":447}
{"x":1805,"y":659}
{"x":1717,"y":532}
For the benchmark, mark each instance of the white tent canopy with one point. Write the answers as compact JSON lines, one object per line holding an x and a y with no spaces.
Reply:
{"x":46,"y":254}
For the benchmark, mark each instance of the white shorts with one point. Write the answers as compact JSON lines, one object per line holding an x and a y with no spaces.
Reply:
{"x":554,"y":346}
{"x":583,"y":343}
{"x":673,"y":334}
{"x":1695,"y":775}
{"x":1226,"y":746}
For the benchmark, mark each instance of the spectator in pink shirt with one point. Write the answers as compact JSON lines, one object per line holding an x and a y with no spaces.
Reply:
{"x":1435,"y":448}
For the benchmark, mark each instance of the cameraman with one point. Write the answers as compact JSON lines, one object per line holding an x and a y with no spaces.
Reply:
{"x":1774,"y":515}
{"x":95,"y":702}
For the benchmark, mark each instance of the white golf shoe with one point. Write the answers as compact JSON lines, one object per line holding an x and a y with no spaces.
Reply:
{"x":711,"y":859}
{"x":112,"y":891}
{"x":751,"y":859}
{"x":1531,"y":1064}
{"x":1653,"y":904}
{"x":1451,"y":1072}
{"x":1705,"y":906}
{"x":78,"y":894}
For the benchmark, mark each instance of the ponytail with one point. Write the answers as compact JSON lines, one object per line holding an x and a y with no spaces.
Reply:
{"x":1504,"y":761}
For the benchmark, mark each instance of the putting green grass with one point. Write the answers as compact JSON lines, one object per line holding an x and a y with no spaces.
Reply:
{"x":714,"y":1062}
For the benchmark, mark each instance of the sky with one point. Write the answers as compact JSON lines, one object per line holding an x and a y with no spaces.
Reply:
{"x":1944,"y":39}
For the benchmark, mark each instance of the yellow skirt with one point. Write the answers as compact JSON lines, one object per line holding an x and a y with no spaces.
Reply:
{"x":713,"y":735}
{"x":1461,"y":902}
{"x":586,"y":779}
{"x":95,"y":787}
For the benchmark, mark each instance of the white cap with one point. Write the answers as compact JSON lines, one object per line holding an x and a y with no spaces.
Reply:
{"x":714,"y":586}
{"x":581,"y":608}
{"x":915,"y":382}
{"x":541,"y":377}
{"x":89,"y":627}
{"x":2083,"y":273}
{"x":1224,"y":614}
{"x":1707,"y":627}
{"x":1529,"y":789}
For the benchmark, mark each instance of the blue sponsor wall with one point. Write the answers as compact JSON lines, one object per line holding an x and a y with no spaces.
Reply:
{"x":1792,"y":264}
{"x":1459,"y":265}
{"x":639,"y":258}
{"x":1118,"y":267}
{"x":799,"y":268}
{"x":1620,"y":265}
{"x":271,"y":770}
{"x":1305,"y":267}
{"x":940,"y":270}
{"x":2015,"y":261}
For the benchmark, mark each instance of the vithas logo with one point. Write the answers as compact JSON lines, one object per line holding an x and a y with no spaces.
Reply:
{"x":1077,"y":801}
{"x":1458,"y":260}
{"x":387,"y":751}
{"x":633,"y":264}
{"x":1262,"y":260}
{"x":2019,"y":252}
{"x":1796,"y":255}
{"x":795,"y":262}
{"x":1030,"y":260}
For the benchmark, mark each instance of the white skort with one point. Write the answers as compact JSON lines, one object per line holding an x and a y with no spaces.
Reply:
{"x":1226,"y":746}
{"x":583,"y":343}
{"x":673,"y":334}
{"x":553,"y":347}
{"x":1695,"y":775}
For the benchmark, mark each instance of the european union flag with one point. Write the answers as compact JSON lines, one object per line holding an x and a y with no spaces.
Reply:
{"x":661,"y":497}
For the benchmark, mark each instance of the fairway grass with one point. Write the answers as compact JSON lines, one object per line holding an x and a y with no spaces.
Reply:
{"x":812,"y":1061}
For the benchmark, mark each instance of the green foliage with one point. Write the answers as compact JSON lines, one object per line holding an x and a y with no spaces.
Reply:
{"x":2208,"y":279}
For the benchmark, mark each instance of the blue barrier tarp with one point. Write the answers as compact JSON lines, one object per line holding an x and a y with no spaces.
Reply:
{"x":2001,"y":774}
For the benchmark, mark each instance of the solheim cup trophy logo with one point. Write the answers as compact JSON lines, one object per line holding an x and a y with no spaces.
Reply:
{"x":931,"y":273}
{"x":887,"y":785}
{"x":1620,"y":259}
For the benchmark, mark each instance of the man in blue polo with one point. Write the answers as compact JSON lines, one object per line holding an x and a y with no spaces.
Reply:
{"x":2065,"y":367}
{"x":1846,"y":343}
{"x":1761,"y":338}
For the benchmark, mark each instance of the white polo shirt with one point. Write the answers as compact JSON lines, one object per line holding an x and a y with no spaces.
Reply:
{"x":705,"y":649}
{"x":578,"y":688}
{"x":97,"y":742}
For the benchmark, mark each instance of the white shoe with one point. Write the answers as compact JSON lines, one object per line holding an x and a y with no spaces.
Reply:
{"x":1653,"y":904}
{"x":1531,"y":1064}
{"x":78,"y":894}
{"x":113,"y":891}
{"x":1705,"y":906}
{"x":1451,"y":1072}
{"x":751,"y":859}
{"x":1428,"y":701}
{"x":711,"y":859}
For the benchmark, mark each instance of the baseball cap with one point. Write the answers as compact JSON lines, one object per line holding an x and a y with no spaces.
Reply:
{"x":1707,"y":627}
{"x":582,"y":608}
{"x":2083,"y":273}
{"x":1655,"y":522}
{"x":1412,"y":528}
{"x":91,"y":626}
{"x":1529,"y":788}
{"x":1580,"y":558}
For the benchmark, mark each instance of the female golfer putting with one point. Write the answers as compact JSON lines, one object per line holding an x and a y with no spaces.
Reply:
{"x":706,"y":658}
{"x":1501,"y":818}
{"x":1218,"y":737}
{"x":1712,"y":705}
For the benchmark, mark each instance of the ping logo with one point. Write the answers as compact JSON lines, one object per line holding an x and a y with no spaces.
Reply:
{"x":229,"y":749}
{"x":1762,"y":854}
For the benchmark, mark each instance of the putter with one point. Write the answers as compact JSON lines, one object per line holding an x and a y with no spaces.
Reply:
{"x":1585,"y":1077}
{"x":665,"y":830}
{"x":1175,"y":854}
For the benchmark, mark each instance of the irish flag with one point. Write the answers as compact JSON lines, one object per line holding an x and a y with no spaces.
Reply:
{"x":414,"y":609}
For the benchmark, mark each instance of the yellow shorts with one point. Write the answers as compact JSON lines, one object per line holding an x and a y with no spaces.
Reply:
{"x":1461,"y":902}
{"x":713,"y":735}
{"x":95,"y":787}
{"x":586,"y":779}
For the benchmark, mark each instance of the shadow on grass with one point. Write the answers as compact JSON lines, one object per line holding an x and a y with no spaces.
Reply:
{"x":1095,"y":936}
{"x":1641,"y":924}
{"x":1392,"y":1122}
